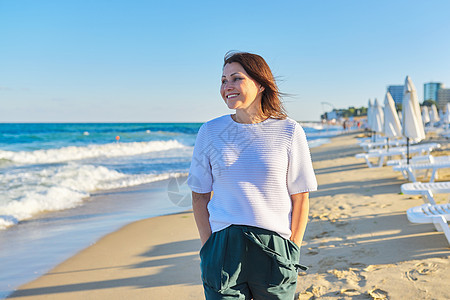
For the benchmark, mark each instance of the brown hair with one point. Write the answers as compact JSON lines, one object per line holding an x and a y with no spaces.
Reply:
{"x":257,"y":68}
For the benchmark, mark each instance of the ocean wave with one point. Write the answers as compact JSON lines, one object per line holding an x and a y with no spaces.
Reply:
{"x":91,"y":151}
{"x":5,"y":162}
{"x":321,"y":134}
{"x":25,"y":194}
{"x":7,"y":221}
{"x":311,"y":126}
{"x":317,"y":142}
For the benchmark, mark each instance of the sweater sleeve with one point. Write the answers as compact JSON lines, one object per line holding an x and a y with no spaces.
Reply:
{"x":300,"y":175}
{"x":200,"y":175}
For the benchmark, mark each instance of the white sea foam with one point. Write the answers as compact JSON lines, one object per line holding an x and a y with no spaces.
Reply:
{"x":317,"y":142}
{"x":7,"y":221}
{"x":321,"y":134}
{"x":314,"y":125}
{"x":25,"y":194}
{"x":91,"y":151}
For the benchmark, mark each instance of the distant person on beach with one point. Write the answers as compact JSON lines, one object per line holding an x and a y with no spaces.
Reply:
{"x":257,"y":166}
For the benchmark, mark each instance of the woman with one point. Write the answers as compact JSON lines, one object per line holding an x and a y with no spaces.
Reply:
{"x":257,"y":164}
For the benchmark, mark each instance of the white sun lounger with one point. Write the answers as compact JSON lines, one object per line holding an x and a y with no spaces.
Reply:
{"x":414,"y":160}
{"x":434,"y":167}
{"x":381,"y":144}
{"x":420,"y":159}
{"x":426,"y":189}
{"x":423,"y":149}
{"x":438,"y":215}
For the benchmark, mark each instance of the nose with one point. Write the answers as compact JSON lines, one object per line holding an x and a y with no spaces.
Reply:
{"x":227,"y":86}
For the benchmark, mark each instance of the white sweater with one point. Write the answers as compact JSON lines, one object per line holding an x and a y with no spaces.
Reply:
{"x":252,"y":169}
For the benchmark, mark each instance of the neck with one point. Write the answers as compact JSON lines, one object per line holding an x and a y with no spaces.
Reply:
{"x":246,"y":117}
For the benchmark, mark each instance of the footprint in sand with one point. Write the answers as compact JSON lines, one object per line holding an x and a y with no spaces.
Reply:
{"x":421,"y":269}
{"x":326,"y":262}
{"x":331,"y":217}
{"x":304,"y":296}
{"x":350,"y":292}
{"x":372,"y":268}
{"x":344,"y":207}
{"x":314,"y":291}
{"x":364,"y":252}
{"x":321,"y":235}
{"x":322,"y":216}
{"x":377,"y":294}
{"x":312,"y":251}
{"x":352,"y":276}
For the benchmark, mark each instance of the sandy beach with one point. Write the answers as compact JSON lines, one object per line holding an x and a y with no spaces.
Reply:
{"x":358,"y":245}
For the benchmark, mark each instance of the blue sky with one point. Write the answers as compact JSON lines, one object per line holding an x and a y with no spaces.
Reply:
{"x":153,"y":61}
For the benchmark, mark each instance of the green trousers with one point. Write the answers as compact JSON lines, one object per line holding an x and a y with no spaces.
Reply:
{"x":245,"y":262}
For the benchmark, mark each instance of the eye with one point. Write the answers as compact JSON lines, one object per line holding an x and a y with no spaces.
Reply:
{"x":224,"y":81}
{"x":238,"y":78}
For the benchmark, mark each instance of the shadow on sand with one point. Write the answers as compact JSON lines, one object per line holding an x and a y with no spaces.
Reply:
{"x":181,"y":268}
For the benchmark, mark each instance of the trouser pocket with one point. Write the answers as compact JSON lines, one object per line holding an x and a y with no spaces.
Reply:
{"x":212,"y":257}
{"x":283,"y":257}
{"x":284,"y":266}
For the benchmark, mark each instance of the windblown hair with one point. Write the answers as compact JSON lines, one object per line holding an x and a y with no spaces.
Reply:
{"x":257,"y":68}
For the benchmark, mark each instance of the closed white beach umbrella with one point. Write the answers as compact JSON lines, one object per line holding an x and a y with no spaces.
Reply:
{"x":434,"y":116}
{"x":377,"y":117}
{"x":392,"y":127}
{"x":425,"y":114}
{"x":412,"y":120}
{"x":369,"y":115}
{"x":446,"y":118}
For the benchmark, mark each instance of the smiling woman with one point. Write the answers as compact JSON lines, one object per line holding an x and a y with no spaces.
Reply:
{"x":258,"y":165}
{"x":248,"y":81}
{"x":239,"y":90}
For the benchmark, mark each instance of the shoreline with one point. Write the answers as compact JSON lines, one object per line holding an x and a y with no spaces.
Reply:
{"x":59,"y":235}
{"x":98,"y":200}
{"x":99,"y":214}
{"x":358,"y":243}
{"x":150,"y":263}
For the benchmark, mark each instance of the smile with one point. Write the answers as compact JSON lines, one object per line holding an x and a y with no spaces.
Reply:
{"x":232,"y":96}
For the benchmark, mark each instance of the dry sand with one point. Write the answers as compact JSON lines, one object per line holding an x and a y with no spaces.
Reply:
{"x":359,"y":245}
{"x":150,"y":259}
{"x":359,"y":242}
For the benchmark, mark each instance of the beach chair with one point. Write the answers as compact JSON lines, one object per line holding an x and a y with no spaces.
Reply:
{"x":368,"y":145}
{"x":438,"y":214}
{"x":442,"y":163}
{"x":426,"y":190}
{"x":418,"y":160}
{"x":415,"y":159}
{"x":423,"y":149}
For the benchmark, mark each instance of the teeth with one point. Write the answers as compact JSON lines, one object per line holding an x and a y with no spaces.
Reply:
{"x":232,"y":96}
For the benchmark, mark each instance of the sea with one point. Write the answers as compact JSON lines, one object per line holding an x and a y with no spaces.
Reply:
{"x":65,"y":185}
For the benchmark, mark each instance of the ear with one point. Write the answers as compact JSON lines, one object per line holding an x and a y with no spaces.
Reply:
{"x":261,"y":89}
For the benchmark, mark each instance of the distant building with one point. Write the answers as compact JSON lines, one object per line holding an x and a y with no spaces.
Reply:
{"x":331,"y":115}
{"x":396,"y":93}
{"x":430,"y":90}
{"x":443,"y":98}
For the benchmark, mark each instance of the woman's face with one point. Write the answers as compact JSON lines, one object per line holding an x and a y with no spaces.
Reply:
{"x":238,"y":89}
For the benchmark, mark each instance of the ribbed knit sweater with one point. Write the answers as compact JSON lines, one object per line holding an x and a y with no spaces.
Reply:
{"x":252,"y":169}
